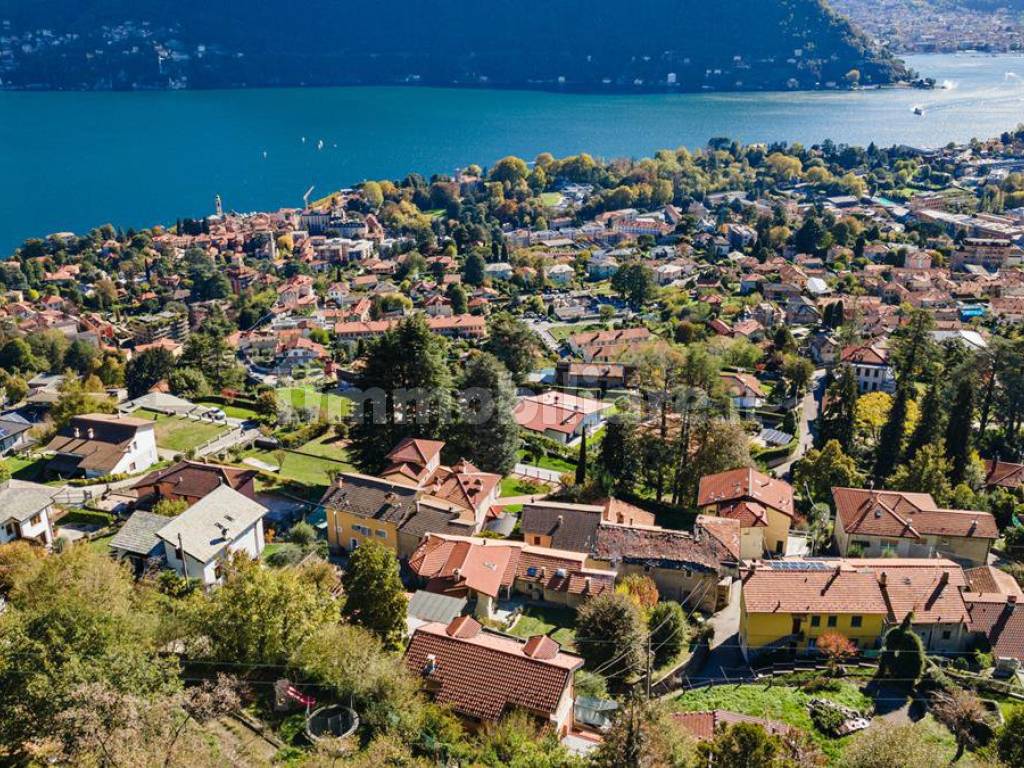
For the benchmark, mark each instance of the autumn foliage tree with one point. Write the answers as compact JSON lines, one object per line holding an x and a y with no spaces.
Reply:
{"x":836,"y":649}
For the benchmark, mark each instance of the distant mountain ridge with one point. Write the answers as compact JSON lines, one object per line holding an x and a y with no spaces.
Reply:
{"x":574,"y":44}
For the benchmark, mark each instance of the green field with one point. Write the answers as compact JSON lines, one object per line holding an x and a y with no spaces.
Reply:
{"x":551,"y":199}
{"x":554,"y":463}
{"x":308,"y":470}
{"x":180,"y":435}
{"x":327,"y":446}
{"x":22,"y":468}
{"x":555,"y":621}
{"x":301,"y":397}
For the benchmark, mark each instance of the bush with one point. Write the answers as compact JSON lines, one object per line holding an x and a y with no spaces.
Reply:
{"x":820,"y":684}
{"x":669,"y":631}
{"x":827,"y":719}
{"x":285,"y":554}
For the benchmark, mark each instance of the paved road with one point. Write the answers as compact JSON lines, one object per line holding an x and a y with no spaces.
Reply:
{"x":724,"y":659}
{"x":809,"y":409}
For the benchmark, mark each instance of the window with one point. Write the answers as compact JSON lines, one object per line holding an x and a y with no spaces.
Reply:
{"x":353,"y":543}
{"x":832,"y":621}
{"x":381,"y":533}
{"x":36,"y":519}
{"x":815,"y":621}
{"x":946,"y":634}
{"x":856,"y":621}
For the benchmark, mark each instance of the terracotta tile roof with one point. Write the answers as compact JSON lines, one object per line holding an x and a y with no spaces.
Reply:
{"x":726,"y":531}
{"x":839,"y":588}
{"x":745,"y":483}
{"x":605,"y":338}
{"x":1003,"y":474}
{"x":741,"y":384}
{"x":703,"y":725}
{"x":415,"y":451}
{"x":1002,"y":622}
{"x":906,"y":515}
{"x":483,"y":674}
{"x":930,"y":589}
{"x":749,"y":514}
{"x":987,"y":579}
{"x":866,"y":355}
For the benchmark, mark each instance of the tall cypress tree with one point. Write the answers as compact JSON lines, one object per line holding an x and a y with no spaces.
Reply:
{"x":890,"y":441}
{"x":581,"y":463}
{"x":488,"y":433}
{"x":958,"y":430}
{"x":929,"y":426}
{"x":839,"y":421}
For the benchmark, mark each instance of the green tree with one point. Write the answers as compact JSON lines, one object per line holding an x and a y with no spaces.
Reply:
{"x":79,"y":397}
{"x":619,"y":460}
{"x":473,"y":270}
{"x":72,"y":619}
{"x":902,"y":657}
{"x":581,"y":460}
{"x":959,"y":430}
{"x":798,"y":371}
{"x":839,"y":420}
{"x":642,"y":736}
{"x":931,"y":422}
{"x":610,"y":636}
{"x":374,"y":595}
{"x":372,"y":194}
{"x":487,"y":432}
{"x":456,"y":294}
{"x":890,"y":440}
{"x":669,"y":631}
{"x":634,"y":282}
{"x":16,"y":355}
{"x":146,"y":369}
{"x":510,"y":169}
{"x":81,"y":357}
{"x":927,"y":472}
{"x":742,"y":745}
{"x":963,"y":714}
{"x":1010,"y":739}
{"x":260,"y":615}
{"x":188,"y":383}
{"x":352,"y":662}
{"x":511,"y":341}
{"x":407,"y":392}
{"x":821,"y":470}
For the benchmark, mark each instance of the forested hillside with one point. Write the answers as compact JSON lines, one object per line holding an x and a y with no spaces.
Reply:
{"x":584,"y":44}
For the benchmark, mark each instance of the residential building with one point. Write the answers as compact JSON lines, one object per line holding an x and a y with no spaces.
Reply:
{"x":26,"y":512}
{"x":97,"y":445}
{"x":483,"y":675}
{"x":361,"y":507}
{"x":872,"y":523}
{"x":137,"y":542}
{"x":560,"y":416}
{"x":870,"y":364}
{"x":602,"y":376}
{"x":191,"y":481}
{"x":744,"y":389}
{"x":13,"y":433}
{"x":199,"y":540}
{"x":762,"y":505}
{"x":1003,"y":474}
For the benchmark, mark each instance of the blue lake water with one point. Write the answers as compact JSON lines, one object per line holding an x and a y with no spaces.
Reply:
{"x":70,"y":161}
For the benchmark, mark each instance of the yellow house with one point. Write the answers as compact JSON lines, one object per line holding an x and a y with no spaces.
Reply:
{"x":762,"y":505}
{"x":790,"y":604}
{"x":361,"y":507}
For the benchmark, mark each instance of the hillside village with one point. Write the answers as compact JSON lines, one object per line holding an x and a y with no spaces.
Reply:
{"x":680,"y":455}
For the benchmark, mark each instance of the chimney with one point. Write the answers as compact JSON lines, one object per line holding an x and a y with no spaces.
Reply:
{"x":91,"y":433}
{"x":78,"y":432}
{"x":882,"y":579}
{"x":586,"y":584}
{"x":558,"y":523}
{"x":1011,"y":600}
{"x":944,"y":579}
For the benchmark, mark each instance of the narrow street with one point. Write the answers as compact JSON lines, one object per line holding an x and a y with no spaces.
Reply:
{"x":810,"y":408}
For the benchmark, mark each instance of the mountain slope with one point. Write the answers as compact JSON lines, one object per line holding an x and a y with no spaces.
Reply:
{"x":720,"y":44}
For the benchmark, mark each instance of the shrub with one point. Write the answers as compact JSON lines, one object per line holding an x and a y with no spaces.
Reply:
{"x":285,"y":554}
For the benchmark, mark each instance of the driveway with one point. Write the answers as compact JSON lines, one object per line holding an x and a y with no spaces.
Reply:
{"x":725,"y":660}
{"x":809,"y":409}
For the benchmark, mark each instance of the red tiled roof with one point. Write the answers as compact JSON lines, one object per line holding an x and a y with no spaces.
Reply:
{"x":726,"y":531}
{"x":1003,"y":474}
{"x":745,"y":483}
{"x":906,"y":515}
{"x":485,"y":674}
{"x":841,"y":588}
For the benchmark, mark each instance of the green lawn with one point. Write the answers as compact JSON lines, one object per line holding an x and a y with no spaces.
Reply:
{"x":785,"y":703}
{"x":23,"y":468}
{"x":232,"y":411}
{"x":303,"y":397}
{"x":180,"y":435}
{"x":327,"y":446}
{"x":308,"y":470}
{"x":555,"y":621}
{"x":101,"y":545}
{"x":550,"y":199}
{"x":516,"y":486}
{"x":553,"y":463}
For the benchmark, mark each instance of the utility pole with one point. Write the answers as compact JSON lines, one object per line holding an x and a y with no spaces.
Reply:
{"x":650,"y":662}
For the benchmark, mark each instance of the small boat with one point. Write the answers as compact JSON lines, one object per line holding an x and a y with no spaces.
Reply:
{"x":320,"y":144}
{"x":919,"y":111}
